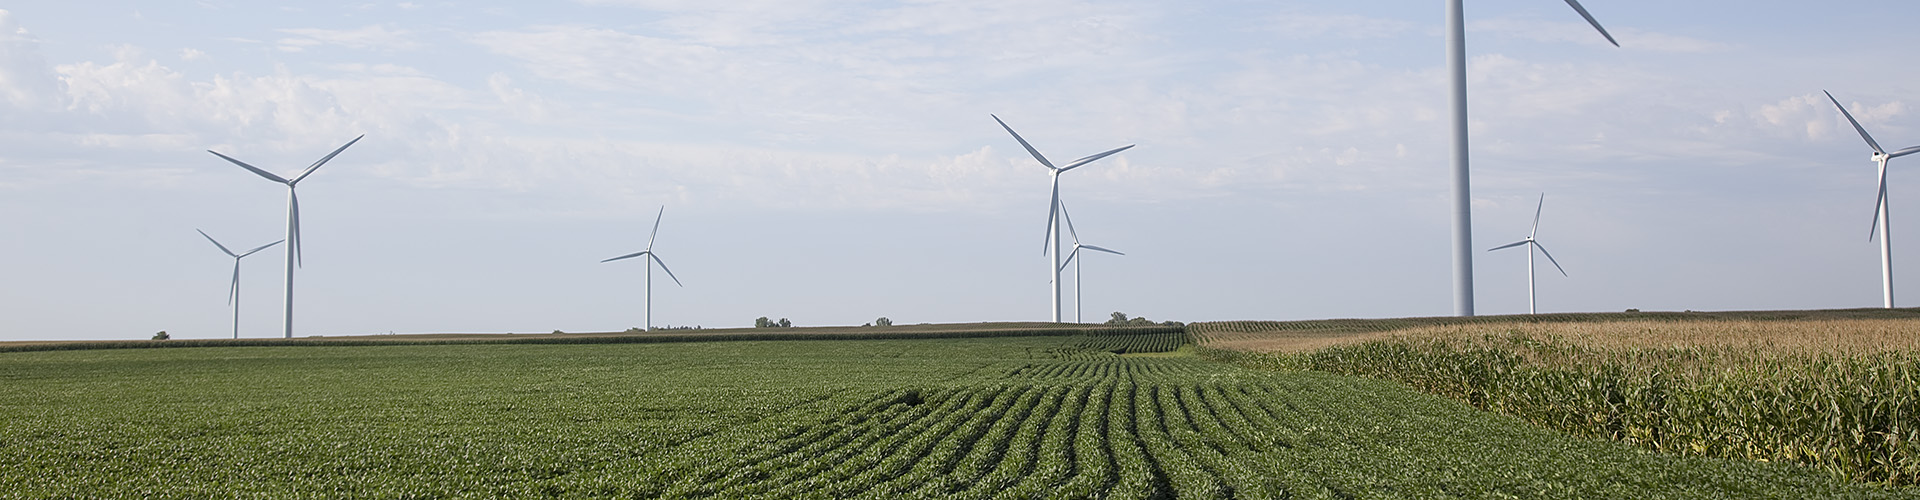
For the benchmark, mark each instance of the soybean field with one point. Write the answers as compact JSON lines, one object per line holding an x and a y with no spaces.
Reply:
{"x":1008,"y":417}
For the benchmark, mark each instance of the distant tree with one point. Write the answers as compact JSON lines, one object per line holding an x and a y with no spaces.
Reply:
{"x":784,"y":323}
{"x":763,"y":322}
{"x":162,"y":335}
{"x":557,"y":332}
{"x":883,"y":321}
{"x":1119,"y":318}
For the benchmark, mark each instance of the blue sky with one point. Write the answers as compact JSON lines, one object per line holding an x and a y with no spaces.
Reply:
{"x":833,"y":162}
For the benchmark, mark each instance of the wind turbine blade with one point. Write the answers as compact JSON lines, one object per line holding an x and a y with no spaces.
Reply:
{"x":1856,"y":123}
{"x":251,"y":168}
{"x":1904,"y":152}
{"x":1536,"y":215}
{"x":323,"y":161}
{"x":1070,"y":256}
{"x":627,"y":256}
{"x":223,"y":248}
{"x":656,"y":226}
{"x":1879,"y":199}
{"x":1068,"y":217}
{"x":1509,"y":245}
{"x":1596,"y":24}
{"x":233,"y":291}
{"x":1543,"y":251}
{"x":293,"y":204}
{"x":663,"y":267}
{"x":256,"y":249}
{"x":1023,"y":143}
{"x":1090,"y":159}
{"x":1098,"y":249}
{"x":1053,"y":213}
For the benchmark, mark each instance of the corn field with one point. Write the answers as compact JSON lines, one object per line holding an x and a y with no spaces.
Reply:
{"x":1842,"y":396}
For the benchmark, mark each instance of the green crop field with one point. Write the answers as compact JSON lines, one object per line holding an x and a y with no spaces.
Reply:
{"x":1002,"y":417}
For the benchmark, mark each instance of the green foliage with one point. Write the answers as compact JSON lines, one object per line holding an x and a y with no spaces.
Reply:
{"x":763,"y":322}
{"x":1120,"y":318}
{"x":161,"y":335}
{"x":950,"y":418}
{"x":1852,"y":416}
{"x":883,"y":321}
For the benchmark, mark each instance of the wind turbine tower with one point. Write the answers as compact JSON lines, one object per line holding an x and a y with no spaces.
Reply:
{"x":293,"y":215}
{"x":1462,"y":191}
{"x":233,"y":291}
{"x":1052,"y":250}
{"x":655,"y":260}
{"x":1880,"y":157}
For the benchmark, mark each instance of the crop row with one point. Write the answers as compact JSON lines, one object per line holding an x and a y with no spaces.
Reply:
{"x":1129,"y":344}
{"x":1103,"y":427}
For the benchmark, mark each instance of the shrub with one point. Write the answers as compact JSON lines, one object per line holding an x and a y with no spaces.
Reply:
{"x":883,"y":321}
{"x":162,"y":335}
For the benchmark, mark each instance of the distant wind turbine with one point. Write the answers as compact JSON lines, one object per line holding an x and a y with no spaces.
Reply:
{"x":233,"y":292}
{"x":1053,"y":208}
{"x":293,"y":214}
{"x":1880,"y":156}
{"x":1077,"y":247}
{"x":656,"y":260}
{"x":1532,"y":244}
{"x":1462,"y":190}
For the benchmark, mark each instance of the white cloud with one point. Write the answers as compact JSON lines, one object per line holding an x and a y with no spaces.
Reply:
{"x":191,"y":54}
{"x":1348,"y":26}
{"x":1583,"y":34}
{"x":374,"y":37}
{"x":24,"y":80}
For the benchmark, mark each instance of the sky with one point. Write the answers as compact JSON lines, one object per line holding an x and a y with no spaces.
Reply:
{"x":833,"y":162}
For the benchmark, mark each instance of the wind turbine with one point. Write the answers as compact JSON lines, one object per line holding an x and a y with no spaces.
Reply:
{"x":1462,"y":191}
{"x":233,"y":293}
{"x":1053,"y":208}
{"x":1880,"y":209}
{"x":1532,"y":244}
{"x":656,"y":260}
{"x":1077,"y":247}
{"x":293,"y":214}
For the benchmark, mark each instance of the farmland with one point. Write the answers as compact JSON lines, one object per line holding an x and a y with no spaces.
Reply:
{"x":999,"y":417}
{"x":1835,"y":390}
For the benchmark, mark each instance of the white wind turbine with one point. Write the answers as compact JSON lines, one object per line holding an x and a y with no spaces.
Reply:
{"x":1053,"y":208}
{"x":1532,"y":244}
{"x":1880,"y":156}
{"x":293,"y":214}
{"x":656,"y":260}
{"x":233,"y":292}
{"x":1077,"y":247}
{"x":1462,"y":192}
